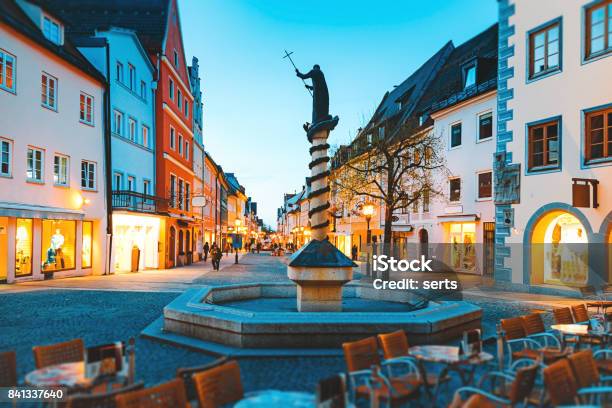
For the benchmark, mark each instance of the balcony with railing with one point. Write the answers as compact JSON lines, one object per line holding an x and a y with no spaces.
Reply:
{"x":137,"y":202}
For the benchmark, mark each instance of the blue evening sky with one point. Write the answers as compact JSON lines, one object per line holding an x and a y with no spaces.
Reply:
{"x":254,"y":105}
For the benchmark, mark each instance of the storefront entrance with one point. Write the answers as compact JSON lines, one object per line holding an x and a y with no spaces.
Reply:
{"x":559,"y":250}
{"x":131,"y":231}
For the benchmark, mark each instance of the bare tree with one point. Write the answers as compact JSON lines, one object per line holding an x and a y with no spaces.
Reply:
{"x":394,"y":171}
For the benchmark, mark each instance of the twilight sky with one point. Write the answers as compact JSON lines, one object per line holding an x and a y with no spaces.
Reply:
{"x":254,"y":105}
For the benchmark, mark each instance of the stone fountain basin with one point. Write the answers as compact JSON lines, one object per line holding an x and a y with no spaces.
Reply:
{"x":264,"y":316}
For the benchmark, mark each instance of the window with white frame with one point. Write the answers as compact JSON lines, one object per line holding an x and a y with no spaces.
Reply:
{"x":6,"y":157}
{"x":146,"y":187}
{"x":118,"y":122}
{"x":179,"y":98}
{"x":52,"y":30}
{"x":88,"y":175}
{"x":132,"y":129}
{"x":35,"y":164}
{"x":187,"y":150}
{"x":143,"y":89}
{"x":60,"y":170}
{"x":132,"y":77}
{"x":180,"y":144}
{"x":469,"y":75}
{"x":181,"y":191}
{"x":186,"y":108}
{"x":119,"y":70}
{"x":117,"y":181}
{"x":86,"y":108}
{"x":176,"y":59}
{"x":172,"y":138}
{"x":145,"y":136}
{"x":7,"y":71}
{"x":485,"y":126}
{"x":48,"y":91}
{"x":171,"y":88}
{"x":485,"y":185}
{"x":131,"y":183}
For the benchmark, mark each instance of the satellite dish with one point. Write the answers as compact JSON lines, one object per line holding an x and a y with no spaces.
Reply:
{"x":199,"y":201}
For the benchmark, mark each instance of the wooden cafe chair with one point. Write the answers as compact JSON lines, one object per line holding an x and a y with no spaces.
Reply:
{"x":395,"y":345}
{"x":187,"y":373}
{"x":100,"y":400}
{"x":563,"y":315}
{"x":520,"y":346}
{"x":8,"y":369}
{"x":331,"y":392}
{"x":361,"y":356}
{"x":66,"y":352}
{"x":169,"y":394}
{"x":563,"y":388}
{"x":219,"y":386}
{"x":580,"y":313}
{"x":519,"y":392}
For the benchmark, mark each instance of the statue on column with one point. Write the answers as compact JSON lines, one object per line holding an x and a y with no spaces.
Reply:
{"x":321,"y":119}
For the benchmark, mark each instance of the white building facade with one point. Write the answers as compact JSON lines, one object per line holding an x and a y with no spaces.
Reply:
{"x":554,"y":145}
{"x":52,"y":164}
{"x":118,"y":53}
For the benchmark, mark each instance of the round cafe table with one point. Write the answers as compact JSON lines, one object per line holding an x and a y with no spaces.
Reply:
{"x":275,"y":398}
{"x":580,"y":331}
{"x":68,"y":375}
{"x":449,"y":356}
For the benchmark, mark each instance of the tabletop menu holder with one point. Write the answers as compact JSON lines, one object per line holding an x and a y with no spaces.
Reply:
{"x":105,"y":359}
{"x":471,"y":344}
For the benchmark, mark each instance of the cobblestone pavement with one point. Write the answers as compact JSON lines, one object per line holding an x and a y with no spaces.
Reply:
{"x":45,"y":316}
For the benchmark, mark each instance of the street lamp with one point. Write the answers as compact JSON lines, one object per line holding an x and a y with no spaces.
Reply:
{"x":237,"y":222}
{"x":368,"y":210}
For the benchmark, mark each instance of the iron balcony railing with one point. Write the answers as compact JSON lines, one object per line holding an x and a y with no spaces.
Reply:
{"x":134,"y":201}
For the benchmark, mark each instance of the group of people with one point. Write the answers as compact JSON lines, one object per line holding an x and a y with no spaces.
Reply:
{"x":215,"y":254}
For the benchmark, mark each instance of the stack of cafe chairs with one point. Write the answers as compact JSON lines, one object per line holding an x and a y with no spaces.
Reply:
{"x":374,"y":380}
{"x":576,"y":380}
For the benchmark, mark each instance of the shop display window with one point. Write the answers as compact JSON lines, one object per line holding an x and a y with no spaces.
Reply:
{"x":463,"y":254}
{"x":23,"y":247}
{"x":58,"y":245}
{"x":86,"y":258}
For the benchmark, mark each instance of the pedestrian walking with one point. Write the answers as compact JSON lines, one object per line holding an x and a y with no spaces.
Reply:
{"x":206,"y":250}
{"x":354,"y":252}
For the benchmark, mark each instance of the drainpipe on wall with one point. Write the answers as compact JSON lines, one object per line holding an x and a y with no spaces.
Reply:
{"x":107,"y":158}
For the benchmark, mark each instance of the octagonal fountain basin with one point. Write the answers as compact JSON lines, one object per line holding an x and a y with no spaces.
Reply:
{"x":262,"y":318}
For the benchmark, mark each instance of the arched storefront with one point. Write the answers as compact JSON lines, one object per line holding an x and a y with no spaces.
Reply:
{"x":557,"y":251}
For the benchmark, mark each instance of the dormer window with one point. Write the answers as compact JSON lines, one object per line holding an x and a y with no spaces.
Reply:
{"x":469,"y":75}
{"x":52,"y":30}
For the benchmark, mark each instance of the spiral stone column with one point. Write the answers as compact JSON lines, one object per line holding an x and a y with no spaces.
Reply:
{"x":319,"y":269}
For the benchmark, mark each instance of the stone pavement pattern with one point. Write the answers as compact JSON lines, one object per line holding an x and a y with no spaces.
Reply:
{"x":43,"y":313}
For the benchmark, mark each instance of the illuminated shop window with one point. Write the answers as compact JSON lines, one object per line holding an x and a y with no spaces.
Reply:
{"x":462,"y":239}
{"x":23,"y":247}
{"x":87,"y":244}
{"x":58,"y":245}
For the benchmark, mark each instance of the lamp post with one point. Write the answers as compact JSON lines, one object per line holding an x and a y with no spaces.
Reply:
{"x":368,"y":210}
{"x":237,"y":222}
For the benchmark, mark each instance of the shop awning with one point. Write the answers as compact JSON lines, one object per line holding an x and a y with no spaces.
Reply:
{"x":39,"y":211}
{"x":459,"y":218}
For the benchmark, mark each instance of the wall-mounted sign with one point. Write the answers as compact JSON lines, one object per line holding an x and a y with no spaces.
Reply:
{"x":581,"y":192}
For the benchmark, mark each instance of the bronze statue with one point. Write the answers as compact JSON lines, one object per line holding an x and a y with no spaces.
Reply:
{"x":320,"y":97}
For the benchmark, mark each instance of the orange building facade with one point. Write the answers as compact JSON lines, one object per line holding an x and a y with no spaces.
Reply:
{"x":174,"y":155}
